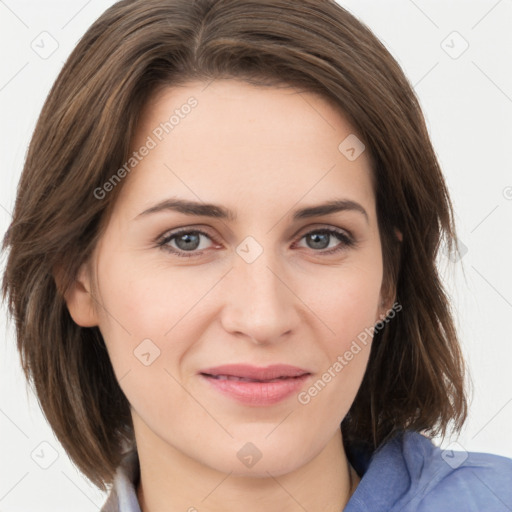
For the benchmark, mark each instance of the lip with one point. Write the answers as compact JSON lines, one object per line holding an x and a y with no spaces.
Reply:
{"x":252,"y":385}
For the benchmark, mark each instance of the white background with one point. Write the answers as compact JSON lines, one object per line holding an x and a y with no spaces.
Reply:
{"x":467,"y":102}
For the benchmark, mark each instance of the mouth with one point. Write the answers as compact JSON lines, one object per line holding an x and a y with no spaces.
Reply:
{"x":249,"y":373}
{"x":246,"y":379}
{"x":256,"y":386}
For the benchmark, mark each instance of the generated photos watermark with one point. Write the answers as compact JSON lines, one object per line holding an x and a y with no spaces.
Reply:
{"x":157,"y":135}
{"x":305,"y":397}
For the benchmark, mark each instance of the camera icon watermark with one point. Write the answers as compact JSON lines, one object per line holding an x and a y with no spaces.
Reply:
{"x":249,"y":454}
{"x":44,"y":455}
{"x":351,"y":147}
{"x":249,"y":249}
{"x":454,"y":455}
{"x":459,"y":250}
{"x":507,"y":193}
{"x":147,"y":352}
{"x":462,"y":250}
{"x":45,"y":45}
{"x":454,"y":45}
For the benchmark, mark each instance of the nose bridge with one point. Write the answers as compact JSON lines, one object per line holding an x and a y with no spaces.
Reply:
{"x":258,"y":302}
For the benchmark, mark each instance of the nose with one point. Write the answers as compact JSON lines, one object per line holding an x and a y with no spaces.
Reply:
{"x":259,"y":301}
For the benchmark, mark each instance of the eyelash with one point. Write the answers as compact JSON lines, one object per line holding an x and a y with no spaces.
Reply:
{"x":346,"y":241}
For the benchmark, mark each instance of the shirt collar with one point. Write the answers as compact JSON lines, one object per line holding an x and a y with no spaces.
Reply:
{"x":123,"y":496}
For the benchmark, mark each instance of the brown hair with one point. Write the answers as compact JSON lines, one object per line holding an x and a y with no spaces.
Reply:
{"x":415,"y":375}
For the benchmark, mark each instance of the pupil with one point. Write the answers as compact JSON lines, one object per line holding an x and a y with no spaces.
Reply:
{"x":188,"y":241}
{"x":319,"y":240}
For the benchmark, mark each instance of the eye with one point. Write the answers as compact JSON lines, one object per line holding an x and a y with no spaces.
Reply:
{"x":188,"y":242}
{"x":321,"y":239}
{"x":185,"y":241}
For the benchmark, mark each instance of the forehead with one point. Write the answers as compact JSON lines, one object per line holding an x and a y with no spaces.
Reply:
{"x":232,"y":141}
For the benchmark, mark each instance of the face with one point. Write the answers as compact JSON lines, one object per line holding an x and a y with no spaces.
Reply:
{"x":258,"y":279}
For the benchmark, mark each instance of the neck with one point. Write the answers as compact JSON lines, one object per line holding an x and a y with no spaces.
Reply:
{"x":170,"y":480}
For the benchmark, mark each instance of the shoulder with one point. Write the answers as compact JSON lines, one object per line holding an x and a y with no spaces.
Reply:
{"x":453,"y":478}
{"x":409,"y":473}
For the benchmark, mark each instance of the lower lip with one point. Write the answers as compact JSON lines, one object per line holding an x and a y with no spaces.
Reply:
{"x":258,"y":393}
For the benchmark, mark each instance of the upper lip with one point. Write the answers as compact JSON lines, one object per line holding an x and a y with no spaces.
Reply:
{"x":254,"y":372}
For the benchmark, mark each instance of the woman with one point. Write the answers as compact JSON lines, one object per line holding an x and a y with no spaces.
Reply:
{"x":230,"y":298}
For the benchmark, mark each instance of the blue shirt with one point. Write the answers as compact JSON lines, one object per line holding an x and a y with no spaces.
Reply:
{"x":407,"y":474}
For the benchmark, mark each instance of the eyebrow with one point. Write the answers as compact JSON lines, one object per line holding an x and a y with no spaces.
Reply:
{"x":219,"y":212}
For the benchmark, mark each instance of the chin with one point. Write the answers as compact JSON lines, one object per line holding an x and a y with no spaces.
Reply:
{"x":260,"y":457}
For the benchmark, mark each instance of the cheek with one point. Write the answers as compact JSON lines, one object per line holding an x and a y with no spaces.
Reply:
{"x":147,"y":298}
{"x":150,"y":318}
{"x":348,"y":309}
{"x":348,"y":305}
{"x":346,"y":299}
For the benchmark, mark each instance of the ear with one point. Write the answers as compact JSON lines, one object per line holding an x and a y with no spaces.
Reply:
{"x":388,"y":293}
{"x":79,"y":299}
{"x":384,"y":306}
{"x":387,"y":308}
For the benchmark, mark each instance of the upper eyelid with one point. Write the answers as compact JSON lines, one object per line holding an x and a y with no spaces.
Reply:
{"x":175,"y":232}
{"x":200,"y":229}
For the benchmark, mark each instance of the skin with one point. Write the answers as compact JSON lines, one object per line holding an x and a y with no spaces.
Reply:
{"x":263,"y":153}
